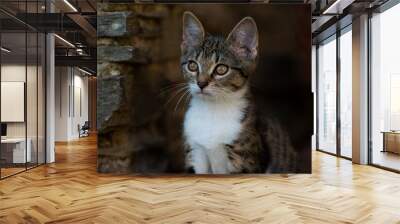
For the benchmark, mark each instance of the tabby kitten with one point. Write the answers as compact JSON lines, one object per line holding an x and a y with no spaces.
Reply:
{"x":220,"y":123}
{"x":222,"y":129}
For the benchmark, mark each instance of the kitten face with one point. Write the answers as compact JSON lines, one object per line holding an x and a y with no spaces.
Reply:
{"x":215,"y":67}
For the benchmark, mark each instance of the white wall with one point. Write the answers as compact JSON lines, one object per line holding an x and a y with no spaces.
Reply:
{"x":12,"y":73}
{"x":33,"y":126}
{"x":13,"y":100}
{"x":71,"y":102}
{"x":16,"y":73}
{"x":62,"y":81}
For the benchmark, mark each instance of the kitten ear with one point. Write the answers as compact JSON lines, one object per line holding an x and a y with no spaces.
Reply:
{"x":243,"y":39}
{"x":193,"y":32}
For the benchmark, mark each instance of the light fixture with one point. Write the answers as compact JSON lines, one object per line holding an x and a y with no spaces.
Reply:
{"x":5,"y":50}
{"x":337,"y":7}
{"x":70,"y":5}
{"x":65,"y":41}
{"x":80,"y":51}
{"x":84,"y":71}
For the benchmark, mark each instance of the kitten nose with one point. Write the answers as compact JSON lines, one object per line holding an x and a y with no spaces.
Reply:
{"x":202,"y":84}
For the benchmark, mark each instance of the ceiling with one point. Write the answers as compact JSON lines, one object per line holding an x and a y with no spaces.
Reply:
{"x":19,"y":54}
{"x":74,"y":21}
{"x":332,"y":15}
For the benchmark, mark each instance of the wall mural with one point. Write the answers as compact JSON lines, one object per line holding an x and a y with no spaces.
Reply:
{"x":204,"y":88}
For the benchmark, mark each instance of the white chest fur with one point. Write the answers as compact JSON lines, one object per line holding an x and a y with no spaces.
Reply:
{"x":208,"y":126}
{"x":209,"y":123}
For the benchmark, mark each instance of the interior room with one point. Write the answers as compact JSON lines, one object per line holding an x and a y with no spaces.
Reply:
{"x":30,"y":60}
{"x":334,"y":61}
{"x":23,"y":96}
{"x":71,"y":103}
{"x":56,"y":72}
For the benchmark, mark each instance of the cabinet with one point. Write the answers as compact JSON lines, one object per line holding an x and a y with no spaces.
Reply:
{"x":391,"y":142}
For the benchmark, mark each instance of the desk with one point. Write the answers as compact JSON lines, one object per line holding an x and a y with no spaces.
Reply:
{"x":16,"y":147}
{"x":391,"y":141}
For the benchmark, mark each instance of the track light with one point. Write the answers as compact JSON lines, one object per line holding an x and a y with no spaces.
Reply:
{"x":65,"y":41}
{"x":70,"y":5}
{"x":5,"y":50}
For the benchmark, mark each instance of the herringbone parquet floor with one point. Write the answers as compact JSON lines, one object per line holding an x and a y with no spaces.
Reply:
{"x":70,"y":191}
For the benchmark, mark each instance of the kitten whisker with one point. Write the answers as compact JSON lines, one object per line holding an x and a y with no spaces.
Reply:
{"x":184,"y":94}
{"x":170,"y":88}
{"x":176,"y":94}
{"x":172,"y":85}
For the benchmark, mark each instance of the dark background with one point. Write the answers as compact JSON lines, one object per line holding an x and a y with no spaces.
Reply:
{"x":281,"y":84}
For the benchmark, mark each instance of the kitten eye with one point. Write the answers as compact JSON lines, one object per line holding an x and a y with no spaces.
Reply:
{"x":221,"y":69}
{"x":192,"y":66}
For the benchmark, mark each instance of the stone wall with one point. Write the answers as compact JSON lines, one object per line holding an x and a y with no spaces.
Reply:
{"x":130,"y":77}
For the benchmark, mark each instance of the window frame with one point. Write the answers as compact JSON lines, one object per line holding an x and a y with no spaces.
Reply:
{"x":334,"y":37}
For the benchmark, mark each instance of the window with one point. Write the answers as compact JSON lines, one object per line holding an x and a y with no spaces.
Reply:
{"x":346,"y":92}
{"x":334,"y":106}
{"x":327,"y":95}
{"x":385,"y":89}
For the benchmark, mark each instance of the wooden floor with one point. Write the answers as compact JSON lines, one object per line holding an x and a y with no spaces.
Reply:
{"x":70,"y":191}
{"x":387,"y":159}
{"x":5,"y":172}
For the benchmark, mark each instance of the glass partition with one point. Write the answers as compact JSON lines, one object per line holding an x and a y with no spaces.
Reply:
{"x":14,"y":143}
{"x":22,"y":88}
